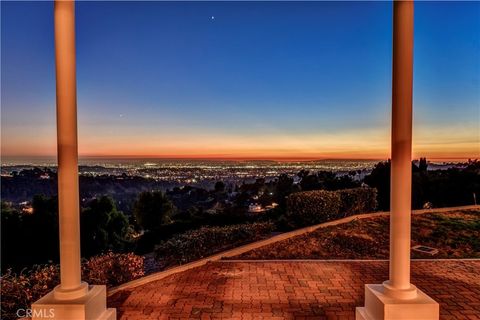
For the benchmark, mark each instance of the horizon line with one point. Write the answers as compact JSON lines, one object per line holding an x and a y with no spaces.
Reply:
{"x":227,"y":158}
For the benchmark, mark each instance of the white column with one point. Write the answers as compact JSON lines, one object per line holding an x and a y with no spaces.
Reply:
{"x":401,"y":163}
{"x":397,"y":298}
{"x":72,"y":299}
{"x":68,"y":193}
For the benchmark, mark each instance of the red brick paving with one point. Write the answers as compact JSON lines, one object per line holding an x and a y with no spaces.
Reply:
{"x":293,"y":290}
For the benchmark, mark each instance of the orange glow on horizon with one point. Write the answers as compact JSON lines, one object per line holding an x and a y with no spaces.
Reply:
{"x":439,"y":152}
{"x":369,"y":144}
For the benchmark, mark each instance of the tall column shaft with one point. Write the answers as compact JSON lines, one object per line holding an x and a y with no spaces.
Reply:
{"x":68,"y":192}
{"x":401,"y":157}
{"x":72,"y":299}
{"x":397,"y":298}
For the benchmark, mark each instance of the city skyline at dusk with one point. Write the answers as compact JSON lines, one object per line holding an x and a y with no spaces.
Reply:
{"x":256,"y":80}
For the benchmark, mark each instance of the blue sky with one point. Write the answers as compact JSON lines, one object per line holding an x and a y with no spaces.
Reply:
{"x":242,"y":79}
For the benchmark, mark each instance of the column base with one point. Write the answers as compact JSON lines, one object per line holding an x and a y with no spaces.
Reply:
{"x":379,"y":306}
{"x":92,"y":306}
{"x":62,"y":294}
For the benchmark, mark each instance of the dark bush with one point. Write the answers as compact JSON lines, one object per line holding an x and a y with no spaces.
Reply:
{"x":357,"y":200}
{"x":146,"y":243}
{"x":113,"y":269}
{"x":230,"y":216}
{"x":312,"y":207}
{"x":195,"y":244}
{"x":20,"y":290}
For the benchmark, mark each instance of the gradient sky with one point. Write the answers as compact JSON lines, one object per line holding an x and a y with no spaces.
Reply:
{"x":241,"y":80}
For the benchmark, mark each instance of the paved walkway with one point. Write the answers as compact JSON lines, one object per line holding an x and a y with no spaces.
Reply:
{"x":293,"y":290}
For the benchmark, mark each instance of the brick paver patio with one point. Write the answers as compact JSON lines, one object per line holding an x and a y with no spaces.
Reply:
{"x":293,"y":290}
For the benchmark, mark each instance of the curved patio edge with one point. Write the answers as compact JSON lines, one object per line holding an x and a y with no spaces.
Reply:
{"x":254,"y":245}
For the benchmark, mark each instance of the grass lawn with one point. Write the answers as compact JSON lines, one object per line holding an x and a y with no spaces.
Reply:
{"x":455,"y":234}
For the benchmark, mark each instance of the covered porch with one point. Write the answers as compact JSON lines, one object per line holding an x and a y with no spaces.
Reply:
{"x":395,"y":298}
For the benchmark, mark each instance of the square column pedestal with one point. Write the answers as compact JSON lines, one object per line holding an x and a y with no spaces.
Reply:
{"x":379,"y":306}
{"x":92,"y":306}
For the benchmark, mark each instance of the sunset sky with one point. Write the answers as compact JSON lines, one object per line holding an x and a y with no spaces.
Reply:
{"x":241,"y":80}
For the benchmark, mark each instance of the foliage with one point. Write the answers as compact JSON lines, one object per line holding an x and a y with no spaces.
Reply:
{"x":422,"y":164}
{"x":20,"y":290}
{"x":35,"y":234}
{"x":113,"y":268}
{"x":284,"y":188}
{"x":24,"y":185}
{"x":146,"y":243}
{"x":357,"y":200}
{"x":442,"y":188}
{"x":10,"y":233}
{"x":103,"y":227}
{"x":325,"y":180}
{"x":205,"y":241}
{"x":379,"y":178}
{"x":219,"y":186}
{"x":312,"y":207}
{"x":190,"y":220}
{"x":153,"y":209}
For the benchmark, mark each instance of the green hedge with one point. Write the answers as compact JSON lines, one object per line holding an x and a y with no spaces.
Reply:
{"x":196,"y":244}
{"x":357,"y":200}
{"x":318,"y":206}
{"x":312,"y":207}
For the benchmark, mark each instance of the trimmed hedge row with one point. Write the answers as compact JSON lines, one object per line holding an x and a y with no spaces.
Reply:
{"x":196,"y":244}
{"x":357,"y":200}
{"x":312,"y":207}
{"x":318,"y":206}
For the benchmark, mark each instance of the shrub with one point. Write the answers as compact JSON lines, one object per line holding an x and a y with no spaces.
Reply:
{"x":312,"y":207}
{"x":21,"y":290}
{"x":230,"y":216}
{"x":205,"y":241}
{"x":112,"y":269}
{"x":357,"y":200}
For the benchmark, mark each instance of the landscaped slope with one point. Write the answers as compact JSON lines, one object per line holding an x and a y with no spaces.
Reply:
{"x":455,"y":234}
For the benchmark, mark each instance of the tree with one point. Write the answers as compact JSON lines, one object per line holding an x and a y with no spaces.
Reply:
{"x":11,"y":235}
{"x":30,"y":238}
{"x":327,"y":180}
{"x":303,"y":173}
{"x":344,"y":182}
{"x":379,"y":178}
{"x":219,"y":187}
{"x":423,"y":165}
{"x":283,"y":189}
{"x":310,"y":182}
{"x":40,"y":229}
{"x":153,"y":209}
{"x":442,"y":188}
{"x":103,"y":227}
